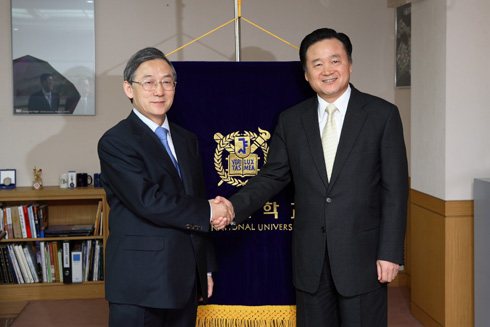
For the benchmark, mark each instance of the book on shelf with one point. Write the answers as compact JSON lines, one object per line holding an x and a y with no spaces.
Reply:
{"x":54,"y":262}
{"x":66,"y":262}
{"x":5,"y":266}
{"x":10,"y":273}
{"x":32,"y":220}
{"x":60,"y":263}
{"x":16,"y":225}
{"x":32,"y":262}
{"x":20,"y":221}
{"x":24,"y":223}
{"x":76,"y":264}
{"x":69,"y":230}
{"x":97,"y":218}
{"x":42,"y":251}
{"x":24,"y":267}
{"x":15,"y":265}
{"x":7,"y":216}
{"x":88,"y":260}
{"x":44,"y":262}
{"x":43,"y":219}
{"x":52,"y":269}
{"x":35,"y":212}
{"x":3,"y":225}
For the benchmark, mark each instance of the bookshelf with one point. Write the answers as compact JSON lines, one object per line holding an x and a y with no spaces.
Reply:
{"x":65,"y":206}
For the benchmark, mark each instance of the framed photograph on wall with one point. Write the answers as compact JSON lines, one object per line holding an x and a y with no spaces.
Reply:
{"x":403,"y":28}
{"x":53,"y":51}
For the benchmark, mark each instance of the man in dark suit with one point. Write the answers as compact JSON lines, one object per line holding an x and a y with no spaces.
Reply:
{"x":351,"y":190}
{"x":158,"y":254}
{"x":44,"y":101}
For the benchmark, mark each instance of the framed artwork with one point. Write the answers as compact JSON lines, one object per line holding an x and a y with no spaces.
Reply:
{"x":53,"y":51}
{"x":403,"y":28}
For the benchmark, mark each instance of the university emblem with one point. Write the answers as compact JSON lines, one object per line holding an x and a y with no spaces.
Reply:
{"x":242,"y":160}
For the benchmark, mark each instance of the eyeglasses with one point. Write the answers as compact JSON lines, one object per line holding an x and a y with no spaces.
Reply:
{"x":151,"y":85}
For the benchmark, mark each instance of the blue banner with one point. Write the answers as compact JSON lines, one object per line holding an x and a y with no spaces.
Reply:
{"x":233,"y":108}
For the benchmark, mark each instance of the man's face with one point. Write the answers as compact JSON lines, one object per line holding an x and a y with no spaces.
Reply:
{"x":328,"y":69}
{"x":84,"y":88}
{"x":152,"y":104}
{"x":48,"y":84}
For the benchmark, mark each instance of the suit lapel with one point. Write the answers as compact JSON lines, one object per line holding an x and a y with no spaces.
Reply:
{"x":152,"y":144}
{"x":353,"y":122}
{"x":183,"y":157}
{"x":310,"y":124}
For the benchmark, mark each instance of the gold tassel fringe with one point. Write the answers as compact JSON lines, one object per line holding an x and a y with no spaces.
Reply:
{"x":246,"y":316}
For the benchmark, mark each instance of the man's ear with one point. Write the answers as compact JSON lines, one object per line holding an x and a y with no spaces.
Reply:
{"x":128,"y":89}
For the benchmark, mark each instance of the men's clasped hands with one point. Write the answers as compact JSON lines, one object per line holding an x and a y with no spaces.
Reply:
{"x":222,"y":212}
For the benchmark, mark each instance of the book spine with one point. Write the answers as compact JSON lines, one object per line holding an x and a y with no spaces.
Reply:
{"x":48,"y":263}
{"x":54,"y":261}
{"x":35,"y":209}
{"x":88,"y":251}
{"x":66,"y":262}
{"x":32,"y":221}
{"x":43,"y":219}
{"x":30,"y":263}
{"x":16,"y":225}
{"x":22,"y":221}
{"x":10,"y":270}
{"x":3,"y":225}
{"x":28,"y":224}
{"x":7,"y":214}
{"x":21,"y":259}
{"x":42,"y":249}
{"x":3,"y":263}
{"x":60,"y":264}
{"x":15,"y":265}
{"x":36,"y":259}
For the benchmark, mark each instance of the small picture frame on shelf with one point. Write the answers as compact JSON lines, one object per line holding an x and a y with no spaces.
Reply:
{"x":7,"y":178}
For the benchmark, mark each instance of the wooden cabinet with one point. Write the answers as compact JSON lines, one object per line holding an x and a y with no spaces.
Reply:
{"x":65,"y":207}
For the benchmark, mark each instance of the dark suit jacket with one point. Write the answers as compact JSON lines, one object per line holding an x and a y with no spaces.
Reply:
{"x":158,"y":245}
{"x":360,"y":216}
{"x":37,"y":101}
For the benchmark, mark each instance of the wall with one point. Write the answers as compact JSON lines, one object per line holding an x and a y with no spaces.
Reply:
{"x":467,"y":107}
{"x":449,"y":116}
{"x":428,"y":114}
{"x":60,"y":143}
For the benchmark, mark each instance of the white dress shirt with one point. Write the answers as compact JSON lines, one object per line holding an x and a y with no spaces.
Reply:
{"x":341,"y":103}
{"x":153,"y":126}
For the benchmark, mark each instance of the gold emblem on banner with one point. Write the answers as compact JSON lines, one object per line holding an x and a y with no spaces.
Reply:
{"x":242,"y":161}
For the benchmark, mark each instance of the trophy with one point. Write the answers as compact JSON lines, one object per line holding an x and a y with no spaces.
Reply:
{"x":37,"y":184}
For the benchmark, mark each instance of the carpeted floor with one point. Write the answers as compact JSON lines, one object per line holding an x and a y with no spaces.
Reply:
{"x":95,"y":312}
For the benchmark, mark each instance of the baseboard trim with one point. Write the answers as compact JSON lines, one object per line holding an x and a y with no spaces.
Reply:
{"x":423,"y":317}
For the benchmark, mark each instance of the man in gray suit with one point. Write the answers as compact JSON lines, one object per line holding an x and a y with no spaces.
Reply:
{"x":158,"y":255}
{"x":350,"y":179}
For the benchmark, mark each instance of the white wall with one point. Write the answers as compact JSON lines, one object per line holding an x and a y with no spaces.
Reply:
{"x":450,"y":116}
{"x":57,"y":144}
{"x":467,"y":104}
{"x":428,"y":97}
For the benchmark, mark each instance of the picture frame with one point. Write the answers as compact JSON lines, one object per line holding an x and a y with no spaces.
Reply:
{"x":7,"y":178}
{"x":53,"y":51}
{"x":403,"y":27}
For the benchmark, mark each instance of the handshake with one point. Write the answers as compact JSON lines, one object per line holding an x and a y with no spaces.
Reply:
{"x":223,"y":212}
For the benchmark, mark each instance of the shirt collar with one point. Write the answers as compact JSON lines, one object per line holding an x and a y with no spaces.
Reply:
{"x":150,"y":123}
{"x":341,"y":103}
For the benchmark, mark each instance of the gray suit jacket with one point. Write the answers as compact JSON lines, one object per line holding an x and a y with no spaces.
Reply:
{"x":158,"y":246}
{"x":360,"y":215}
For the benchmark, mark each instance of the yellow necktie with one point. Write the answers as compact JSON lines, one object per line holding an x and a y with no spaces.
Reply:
{"x":330,"y":139}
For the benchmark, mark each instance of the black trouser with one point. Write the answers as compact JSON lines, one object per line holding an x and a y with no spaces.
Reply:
{"x":327,"y":307}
